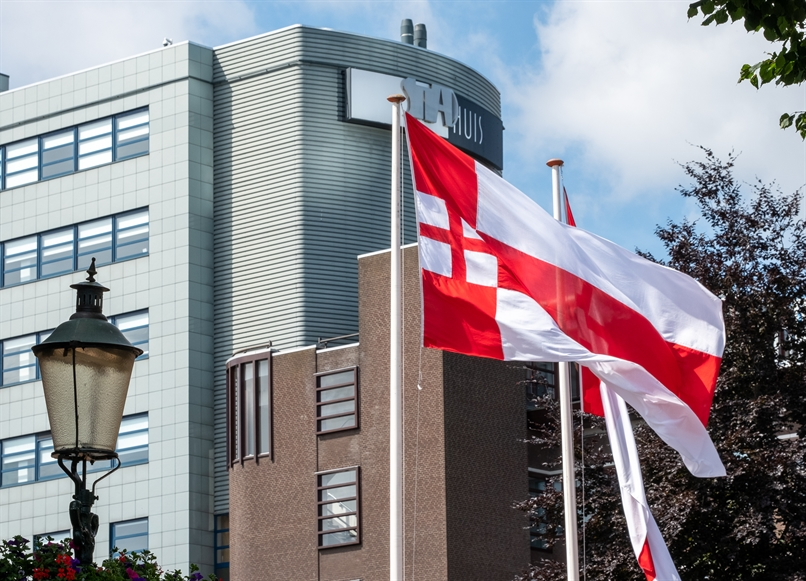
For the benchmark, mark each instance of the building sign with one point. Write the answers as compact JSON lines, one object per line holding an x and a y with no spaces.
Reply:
{"x":462,"y":122}
{"x":479,"y":132}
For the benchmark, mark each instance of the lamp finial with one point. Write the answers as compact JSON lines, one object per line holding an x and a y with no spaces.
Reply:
{"x":91,"y":271}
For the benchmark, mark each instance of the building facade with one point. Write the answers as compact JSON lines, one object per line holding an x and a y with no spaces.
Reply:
{"x":317,"y":493}
{"x":226,"y":193}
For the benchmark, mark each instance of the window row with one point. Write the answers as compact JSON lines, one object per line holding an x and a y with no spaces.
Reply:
{"x":77,"y":148}
{"x":110,"y":239}
{"x":28,"y":459}
{"x":17,"y":361}
{"x":249,"y":407}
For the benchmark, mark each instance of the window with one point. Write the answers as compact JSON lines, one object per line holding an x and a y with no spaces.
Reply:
{"x":336,"y":399}
{"x":95,"y":144}
{"x":538,"y":480}
{"x":58,"y":154}
{"x":130,"y":535}
{"x":131,"y":137}
{"x":249,"y":406}
{"x":77,"y":148}
{"x":19,"y":460}
{"x":28,"y":458}
{"x":22,"y":160}
{"x":132,"y":445}
{"x":58,"y":252}
{"x":95,"y":240}
{"x":338,"y":507}
{"x":109,"y":239}
{"x":221,"y":543}
{"x":18,"y":362}
{"x":131,"y":235}
{"x":19,"y":263}
{"x":134,"y":327}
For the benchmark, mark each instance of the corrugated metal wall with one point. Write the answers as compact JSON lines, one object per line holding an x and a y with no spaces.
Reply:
{"x":299,"y":193}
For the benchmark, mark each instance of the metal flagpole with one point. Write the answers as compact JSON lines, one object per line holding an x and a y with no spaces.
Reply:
{"x":566,"y":420}
{"x":395,"y":399}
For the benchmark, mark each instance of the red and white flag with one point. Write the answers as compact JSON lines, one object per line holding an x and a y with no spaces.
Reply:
{"x":648,"y":544}
{"x":502,"y":279}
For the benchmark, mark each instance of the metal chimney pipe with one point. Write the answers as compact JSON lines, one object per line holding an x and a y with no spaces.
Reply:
{"x":406,"y":31}
{"x":420,"y":36}
{"x":3,"y":83}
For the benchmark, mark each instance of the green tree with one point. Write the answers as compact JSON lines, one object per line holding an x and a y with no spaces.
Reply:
{"x":749,"y":248}
{"x":781,"y":21}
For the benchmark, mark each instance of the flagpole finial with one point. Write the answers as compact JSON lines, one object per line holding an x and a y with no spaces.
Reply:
{"x":553,"y":162}
{"x":396,"y":98}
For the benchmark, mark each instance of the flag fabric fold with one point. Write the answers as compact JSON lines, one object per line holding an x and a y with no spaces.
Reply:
{"x":647,"y":542}
{"x":502,"y":279}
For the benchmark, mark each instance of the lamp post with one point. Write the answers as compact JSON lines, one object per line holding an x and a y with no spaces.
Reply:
{"x":86,"y":365}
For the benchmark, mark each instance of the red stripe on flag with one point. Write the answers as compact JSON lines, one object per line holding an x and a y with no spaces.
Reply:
{"x":602,"y":324}
{"x":646,"y":562}
{"x":444,"y":172}
{"x":569,"y":215}
{"x":459,"y":316}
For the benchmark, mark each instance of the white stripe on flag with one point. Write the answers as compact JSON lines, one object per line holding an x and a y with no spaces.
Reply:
{"x":642,"y":526}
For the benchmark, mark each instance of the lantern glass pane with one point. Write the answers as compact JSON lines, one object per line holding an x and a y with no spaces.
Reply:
{"x":102,"y":381}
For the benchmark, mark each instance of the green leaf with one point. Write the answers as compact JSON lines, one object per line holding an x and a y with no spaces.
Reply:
{"x":707,"y":7}
{"x":767,"y":72}
{"x":786,"y":120}
{"x":754,"y":81}
{"x":709,"y":20}
{"x":692,"y":11}
{"x":736,"y":13}
{"x":770,"y":34}
{"x":721,"y":16}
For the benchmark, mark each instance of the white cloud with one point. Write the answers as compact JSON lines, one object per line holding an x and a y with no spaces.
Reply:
{"x":624,"y":88}
{"x":40,"y":40}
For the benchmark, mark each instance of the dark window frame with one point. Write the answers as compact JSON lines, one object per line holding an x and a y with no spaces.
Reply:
{"x":320,"y":503}
{"x":236,"y":391}
{"x":355,"y":397}
{"x":218,"y":530}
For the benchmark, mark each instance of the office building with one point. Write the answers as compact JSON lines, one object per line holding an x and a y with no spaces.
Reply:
{"x":226,"y":194}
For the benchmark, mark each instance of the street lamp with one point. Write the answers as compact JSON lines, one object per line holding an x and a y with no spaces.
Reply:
{"x":86,"y":365}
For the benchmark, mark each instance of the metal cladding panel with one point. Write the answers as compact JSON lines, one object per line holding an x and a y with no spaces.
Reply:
{"x":344,"y":50}
{"x":300,"y":192}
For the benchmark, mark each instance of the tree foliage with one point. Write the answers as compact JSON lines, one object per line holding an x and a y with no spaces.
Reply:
{"x":781,"y":21}
{"x":53,"y":560}
{"x":749,"y":248}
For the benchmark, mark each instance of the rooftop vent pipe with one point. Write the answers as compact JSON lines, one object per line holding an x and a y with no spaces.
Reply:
{"x":420,"y":36}
{"x":406,"y":31}
{"x":3,"y":83}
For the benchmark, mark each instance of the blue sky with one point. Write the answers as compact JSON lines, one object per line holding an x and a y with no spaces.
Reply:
{"x":621,"y":90}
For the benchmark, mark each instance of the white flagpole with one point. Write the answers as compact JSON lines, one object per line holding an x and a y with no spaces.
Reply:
{"x":395,"y":399}
{"x":566,"y":420}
